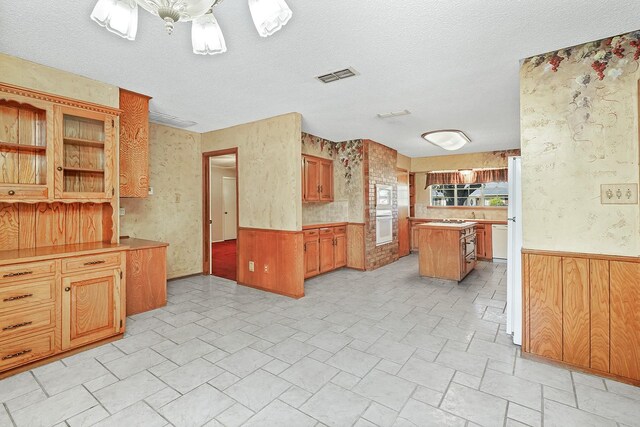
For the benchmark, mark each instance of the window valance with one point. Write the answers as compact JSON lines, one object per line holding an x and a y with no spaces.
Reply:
{"x":470,"y":176}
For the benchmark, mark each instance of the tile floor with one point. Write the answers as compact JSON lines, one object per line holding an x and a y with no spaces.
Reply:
{"x":383,"y":348}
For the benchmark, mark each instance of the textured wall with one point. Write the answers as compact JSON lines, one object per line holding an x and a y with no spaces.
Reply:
{"x":19,"y":72}
{"x":269,"y":177}
{"x":379,"y":168}
{"x":348,"y":182}
{"x":579,"y":132}
{"x":173,"y":213}
{"x":491,"y":159}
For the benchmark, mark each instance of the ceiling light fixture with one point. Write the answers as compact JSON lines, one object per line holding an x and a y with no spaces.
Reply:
{"x":121,"y":17}
{"x":449,"y":139}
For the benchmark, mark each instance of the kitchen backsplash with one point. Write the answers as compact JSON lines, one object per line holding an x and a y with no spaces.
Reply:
{"x":320,"y":213}
{"x":423,"y":210}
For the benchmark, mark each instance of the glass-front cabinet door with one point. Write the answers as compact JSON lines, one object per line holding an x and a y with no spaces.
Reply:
{"x":25,"y":153}
{"x":85,"y":153}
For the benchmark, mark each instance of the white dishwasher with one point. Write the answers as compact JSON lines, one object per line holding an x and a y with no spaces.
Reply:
{"x":499,"y":240}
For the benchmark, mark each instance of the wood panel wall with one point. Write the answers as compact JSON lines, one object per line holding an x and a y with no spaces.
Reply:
{"x":27,"y":226}
{"x":583,"y":310}
{"x":355,"y":246}
{"x":278,"y":258}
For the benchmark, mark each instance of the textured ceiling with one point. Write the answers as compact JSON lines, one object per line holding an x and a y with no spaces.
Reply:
{"x":453,"y":64}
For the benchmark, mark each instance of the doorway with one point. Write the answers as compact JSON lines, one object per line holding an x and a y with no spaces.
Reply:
{"x":220,"y":196}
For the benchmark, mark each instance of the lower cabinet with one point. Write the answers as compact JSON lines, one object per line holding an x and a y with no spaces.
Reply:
{"x":311,"y":253}
{"x":90,"y":307}
{"x":325,"y":249}
{"x":50,"y":306}
{"x":582,"y":310}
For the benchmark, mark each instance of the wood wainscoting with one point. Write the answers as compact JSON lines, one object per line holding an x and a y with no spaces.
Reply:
{"x":355,"y":246}
{"x":278,"y":260}
{"x":582,"y":310}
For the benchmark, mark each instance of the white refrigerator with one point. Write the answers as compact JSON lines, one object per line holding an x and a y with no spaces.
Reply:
{"x":514,"y":248}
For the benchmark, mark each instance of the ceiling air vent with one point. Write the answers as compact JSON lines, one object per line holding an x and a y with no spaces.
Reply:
{"x":166,"y":119}
{"x":337,"y":75}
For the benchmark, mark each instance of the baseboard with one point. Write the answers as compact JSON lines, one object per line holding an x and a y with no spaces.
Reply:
{"x":273,"y":291}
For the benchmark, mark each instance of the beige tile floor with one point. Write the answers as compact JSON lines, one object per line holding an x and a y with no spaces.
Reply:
{"x":383,"y":348}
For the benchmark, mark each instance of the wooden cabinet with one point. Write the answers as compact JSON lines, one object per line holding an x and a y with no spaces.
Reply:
{"x":90,"y":307}
{"x":484,"y":247}
{"x":311,"y":253}
{"x":46,"y":310}
{"x":447,"y":251}
{"x":146,"y":275}
{"x":134,"y":144}
{"x":325,"y":249}
{"x":85,"y":151}
{"x":55,"y":149}
{"x":317,"y":179}
{"x":582,"y":310}
{"x":26,"y":148}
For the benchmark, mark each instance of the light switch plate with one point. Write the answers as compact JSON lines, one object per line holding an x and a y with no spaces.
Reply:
{"x":151,"y":191}
{"x":121,"y":211}
{"x":619,"y":194}
{"x":251,"y":266}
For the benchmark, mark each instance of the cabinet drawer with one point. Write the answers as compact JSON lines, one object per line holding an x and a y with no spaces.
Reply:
{"x":27,"y":294}
{"x":30,"y":271}
{"x":17,"y":323}
{"x":340,"y":230}
{"x":310,"y":234}
{"x":91,"y":262}
{"x":24,"y":350}
{"x":324,"y":231}
{"x":17,"y":193}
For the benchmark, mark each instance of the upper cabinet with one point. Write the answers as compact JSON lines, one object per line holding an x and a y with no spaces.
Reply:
{"x":54,"y":148}
{"x":25,"y":148}
{"x":85,"y":148}
{"x":134,"y":144}
{"x":317,"y":179}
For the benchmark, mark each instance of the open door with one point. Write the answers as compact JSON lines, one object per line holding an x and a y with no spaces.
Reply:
{"x":220,"y":213}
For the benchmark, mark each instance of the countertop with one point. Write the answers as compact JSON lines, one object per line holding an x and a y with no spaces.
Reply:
{"x":135,"y":244}
{"x":330,"y":224}
{"x":61,"y":251}
{"x":448,"y":225}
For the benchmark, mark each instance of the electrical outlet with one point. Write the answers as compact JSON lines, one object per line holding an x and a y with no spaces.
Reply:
{"x":151,"y":191}
{"x":252,"y":266}
{"x":619,"y":194}
{"x":121,"y":211}
{"x":266,"y":268}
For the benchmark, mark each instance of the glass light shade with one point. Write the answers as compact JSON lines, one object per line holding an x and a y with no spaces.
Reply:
{"x":118,"y":16}
{"x":206,"y":36}
{"x":179,"y":10}
{"x":450,"y":140}
{"x":269,"y":16}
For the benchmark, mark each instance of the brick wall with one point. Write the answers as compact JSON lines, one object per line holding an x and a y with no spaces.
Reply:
{"x":379,"y":168}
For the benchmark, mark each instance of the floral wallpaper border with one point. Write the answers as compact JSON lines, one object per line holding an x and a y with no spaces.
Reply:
{"x":349,"y":153}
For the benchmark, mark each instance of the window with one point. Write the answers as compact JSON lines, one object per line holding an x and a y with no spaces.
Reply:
{"x":491,"y":194}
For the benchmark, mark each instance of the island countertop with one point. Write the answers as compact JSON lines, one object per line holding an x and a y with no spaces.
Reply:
{"x":448,"y":225}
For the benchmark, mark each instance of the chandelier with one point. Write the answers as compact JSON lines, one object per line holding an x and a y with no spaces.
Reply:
{"x":121,"y":17}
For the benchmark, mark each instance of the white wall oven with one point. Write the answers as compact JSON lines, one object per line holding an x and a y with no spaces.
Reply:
{"x":384,"y":214}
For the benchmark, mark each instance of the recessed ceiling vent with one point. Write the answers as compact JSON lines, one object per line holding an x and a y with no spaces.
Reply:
{"x":338,"y":75}
{"x":166,"y":119}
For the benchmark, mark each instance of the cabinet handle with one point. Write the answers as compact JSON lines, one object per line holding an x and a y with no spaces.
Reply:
{"x":17,"y":297}
{"x":321,"y":187}
{"x":59,"y":168}
{"x":94,"y":262}
{"x":305,"y":247}
{"x":67,"y":289}
{"x":20,"y":353}
{"x":20,"y":273}
{"x":12,"y":193}
{"x":16,"y":326}
{"x":318,"y":188}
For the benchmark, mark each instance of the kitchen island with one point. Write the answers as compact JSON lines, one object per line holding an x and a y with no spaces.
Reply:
{"x":447,"y":250}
